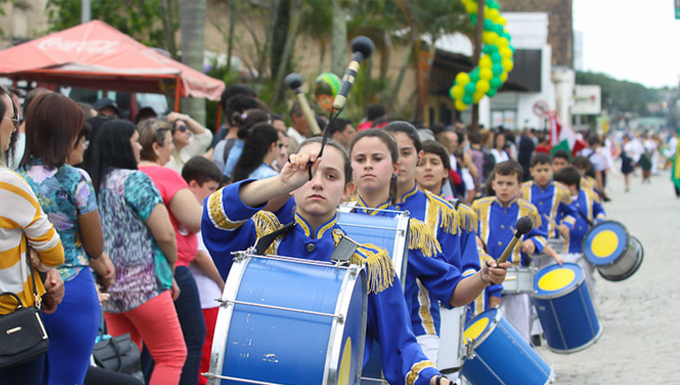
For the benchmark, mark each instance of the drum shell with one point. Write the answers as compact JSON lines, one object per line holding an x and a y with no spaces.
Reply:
{"x":281,"y":346}
{"x":500,"y":352}
{"x":523,"y":282}
{"x":451,"y":345}
{"x":626,"y":265}
{"x":568,"y":315}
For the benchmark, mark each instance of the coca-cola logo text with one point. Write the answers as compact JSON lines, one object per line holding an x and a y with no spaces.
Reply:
{"x":92,"y":46}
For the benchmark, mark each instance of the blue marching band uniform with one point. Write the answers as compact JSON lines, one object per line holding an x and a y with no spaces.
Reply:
{"x":229,"y":225}
{"x":588,"y":209}
{"x":553,"y":201}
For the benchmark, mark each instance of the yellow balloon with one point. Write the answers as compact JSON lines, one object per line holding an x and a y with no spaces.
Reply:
{"x":485,"y":73}
{"x":485,"y":62}
{"x":501,"y":20}
{"x":502,"y":42}
{"x":462,"y":79}
{"x":490,"y":38}
{"x":460,"y":106}
{"x":458,"y":92}
{"x":471,"y":7}
{"x":477,"y":96}
{"x":482,"y":86}
{"x":505,"y":52}
{"x":492,"y":14}
{"x":504,"y":77}
{"x":508,"y":65}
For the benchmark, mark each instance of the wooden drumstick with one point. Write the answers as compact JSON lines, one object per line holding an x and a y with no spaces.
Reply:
{"x":553,"y":223}
{"x":523,"y":226}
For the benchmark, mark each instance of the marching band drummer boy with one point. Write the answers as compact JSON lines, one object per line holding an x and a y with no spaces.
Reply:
{"x":586,"y":202}
{"x":233,"y":221}
{"x":497,"y":217}
{"x":551,"y":199}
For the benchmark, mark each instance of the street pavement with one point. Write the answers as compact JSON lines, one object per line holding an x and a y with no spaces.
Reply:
{"x":640,"y":316}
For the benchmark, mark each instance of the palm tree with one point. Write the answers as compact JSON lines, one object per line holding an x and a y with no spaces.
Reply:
{"x":192,"y":23}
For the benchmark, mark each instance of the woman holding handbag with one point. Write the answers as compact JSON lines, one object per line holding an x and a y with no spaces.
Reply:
{"x":26,"y":219}
{"x":140,"y":240}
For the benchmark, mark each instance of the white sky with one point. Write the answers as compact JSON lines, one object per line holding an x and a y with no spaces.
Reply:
{"x":630,"y":39}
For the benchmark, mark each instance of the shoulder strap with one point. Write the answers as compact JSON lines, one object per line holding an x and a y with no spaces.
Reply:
{"x":263,"y":243}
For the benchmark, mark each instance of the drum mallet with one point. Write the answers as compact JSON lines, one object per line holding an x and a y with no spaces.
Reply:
{"x":523,"y":226}
{"x":294,"y":82}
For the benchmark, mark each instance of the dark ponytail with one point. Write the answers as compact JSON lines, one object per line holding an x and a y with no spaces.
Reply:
{"x":248,"y":119}
{"x":257,"y":143}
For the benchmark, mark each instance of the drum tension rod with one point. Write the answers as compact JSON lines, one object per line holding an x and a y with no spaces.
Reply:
{"x":227,"y":302}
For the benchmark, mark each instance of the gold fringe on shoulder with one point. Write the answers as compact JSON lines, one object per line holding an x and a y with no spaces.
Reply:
{"x":447,"y":214}
{"x":379,"y":267}
{"x":266,"y":223}
{"x":467,"y":218}
{"x":422,"y":238}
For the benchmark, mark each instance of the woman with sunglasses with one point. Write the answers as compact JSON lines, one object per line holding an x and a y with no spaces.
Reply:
{"x":190,"y":139}
{"x":260,"y":149}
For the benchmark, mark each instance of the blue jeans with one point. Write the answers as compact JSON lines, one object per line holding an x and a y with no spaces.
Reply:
{"x":29,"y":373}
{"x":190,"y":315}
{"x":72,"y":330}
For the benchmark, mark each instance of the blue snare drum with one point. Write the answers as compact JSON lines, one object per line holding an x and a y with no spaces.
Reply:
{"x":290,"y":321}
{"x":500,"y":355}
{"x":615,"y":254}
{"x":389,"y":232}
{"x":565,"y":308}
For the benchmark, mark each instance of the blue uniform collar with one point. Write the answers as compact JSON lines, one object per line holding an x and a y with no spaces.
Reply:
{"x":363,"y":208}
{"x":307,"y":229}
{"x":508,"y":204}
{"x":408,"y":195}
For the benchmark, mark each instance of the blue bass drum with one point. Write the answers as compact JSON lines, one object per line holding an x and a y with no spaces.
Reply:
{"x":290,"y":321}
{"x":389,"y":232}
{"x":565,"y":308}
{"x":500,"y":356}
{"x":615,"y":254}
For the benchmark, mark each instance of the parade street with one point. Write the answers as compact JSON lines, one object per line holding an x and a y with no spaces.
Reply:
{"x":639,"y":315}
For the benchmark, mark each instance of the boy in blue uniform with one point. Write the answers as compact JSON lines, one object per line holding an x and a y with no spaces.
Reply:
{"x":233,"y":221}
{"x":551,"y":199}
{"x":497,"y":217}
{"x":589,"y":212}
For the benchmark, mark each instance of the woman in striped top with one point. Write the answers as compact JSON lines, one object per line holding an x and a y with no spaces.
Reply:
{"x":21,"y":215}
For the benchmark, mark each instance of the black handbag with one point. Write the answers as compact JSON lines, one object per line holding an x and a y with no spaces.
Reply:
{"x":119,"y":354}
{"x":22,"y":334}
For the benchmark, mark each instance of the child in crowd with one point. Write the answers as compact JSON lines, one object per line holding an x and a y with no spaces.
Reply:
{"x":582,"y":164}
{"x":560,"y":159}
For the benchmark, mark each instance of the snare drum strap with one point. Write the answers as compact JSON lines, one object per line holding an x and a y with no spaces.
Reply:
{"x":263,"y":242}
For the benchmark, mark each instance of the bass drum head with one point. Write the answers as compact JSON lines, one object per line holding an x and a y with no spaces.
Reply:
{"x":605,"y":243}
{"x":639,"y":254}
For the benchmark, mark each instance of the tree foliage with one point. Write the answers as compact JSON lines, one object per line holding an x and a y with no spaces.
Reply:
{"x":620,"y":95}
{"x":138,"y":18}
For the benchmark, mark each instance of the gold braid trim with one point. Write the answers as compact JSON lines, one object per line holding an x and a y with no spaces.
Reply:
{"x":421,"y":238}
{"x":467,"y":218}
{"x":217,"y":215}
{"x":448,"y":215}
{"x":379,"y":267}
{"x":415,"y":371}
{"x":528,"y":209}
{"x":266,"y":223}
{"x":563,"y":193}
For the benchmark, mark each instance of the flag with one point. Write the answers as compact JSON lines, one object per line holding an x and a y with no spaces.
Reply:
{"x":675,"y":175}
{"x":563,"y":137}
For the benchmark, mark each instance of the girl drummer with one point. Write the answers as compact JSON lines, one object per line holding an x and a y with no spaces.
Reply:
{"x":233,"y":220}
{"x":374,"y":155}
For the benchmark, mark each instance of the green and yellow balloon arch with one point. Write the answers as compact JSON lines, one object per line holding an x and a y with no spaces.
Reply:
{"x":496,"y":61}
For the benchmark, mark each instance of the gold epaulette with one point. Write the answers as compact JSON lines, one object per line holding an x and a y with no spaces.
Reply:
{"x":528,"y":209}
{"x":563,"y":194}
{"x":379,"y":268}
{"x":525,"y":189}
{"x":449,"y":216}
{"x":467,"y":218}
{"x":592,"y":194}
{"x":266,"y":223}
{"x":422,"y":238}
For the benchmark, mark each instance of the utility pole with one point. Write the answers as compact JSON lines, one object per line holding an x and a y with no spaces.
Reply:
{"x":85,"y":11}
{"x":477,"y":53}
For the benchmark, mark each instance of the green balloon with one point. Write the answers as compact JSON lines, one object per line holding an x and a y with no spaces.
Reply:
{"x":473,"y":18}
{"x":491,"y":93}
{"x":507,"y":36}
{"x":488,"y":49}
{"x":474,"y":75}
{"x":512,"y":49}
{"x":488,"y":25}
{"x":494,"y":5}
{"x":492,"y":48}
{"x":497,"y":69}
{"x":499,"y":29}
{"x":495,"y":82}
{"x":468,"y":99}
{"x":496,"y":57}
{"x":470,"y":88}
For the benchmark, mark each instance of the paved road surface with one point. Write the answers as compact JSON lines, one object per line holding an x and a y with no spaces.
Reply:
{"x":641,"y":315}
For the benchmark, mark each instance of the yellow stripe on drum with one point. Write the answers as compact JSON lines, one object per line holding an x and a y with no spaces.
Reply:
{"x":605,"y":243}
{"x":476,"y":329}
{"x":345,"y":363}
{"x":556,"y":279}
